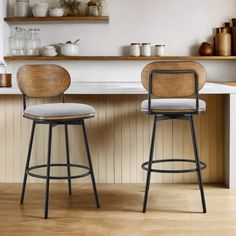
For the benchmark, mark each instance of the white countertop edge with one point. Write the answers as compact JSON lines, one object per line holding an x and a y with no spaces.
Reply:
{"x":121,"y":88}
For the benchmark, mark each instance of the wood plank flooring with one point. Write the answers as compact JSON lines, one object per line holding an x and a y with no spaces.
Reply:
{"x":172,"y":210}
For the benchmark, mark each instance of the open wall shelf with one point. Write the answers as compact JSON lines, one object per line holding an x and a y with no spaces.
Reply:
{"x":49,"y":19}
{"x":114,"y":58}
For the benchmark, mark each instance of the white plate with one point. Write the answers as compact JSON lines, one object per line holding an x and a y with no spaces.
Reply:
{"x":49,"y":55}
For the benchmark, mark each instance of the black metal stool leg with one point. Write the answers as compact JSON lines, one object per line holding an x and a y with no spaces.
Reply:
{"x":90,"y":165}
{"x":68,"y":159}
{"x":27,"y":163}
{"x":150,"y":165}
{"x":198,"y":165}
{"x":48,"y":171}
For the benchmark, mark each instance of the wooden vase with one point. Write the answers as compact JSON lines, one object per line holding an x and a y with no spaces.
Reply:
{"x":206,"y":49}
{"x":5,"y":80}
{"x":223,"y":43}
{"x":234,"y":40}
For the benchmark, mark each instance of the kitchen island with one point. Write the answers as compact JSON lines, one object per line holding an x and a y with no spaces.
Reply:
{"x":124,"y":130}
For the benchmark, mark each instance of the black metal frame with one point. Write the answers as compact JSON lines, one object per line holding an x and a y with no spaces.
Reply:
{"x":48,"y":177}
{"x":172,"y":72}
{"x":147,"y":166}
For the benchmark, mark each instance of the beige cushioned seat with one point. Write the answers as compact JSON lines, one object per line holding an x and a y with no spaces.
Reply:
{"x":57,"y":111}
{"x":173,"y":105}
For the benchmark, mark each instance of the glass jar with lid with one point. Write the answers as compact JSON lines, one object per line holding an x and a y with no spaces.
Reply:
{"x":17,"y":42}
{"x":5,"y":78}
{"x":160,"y":50}
{"x":135,"y":49}
{"x":3,"y":69}
{"x":33,"y":42}
{"x":146,"y":49}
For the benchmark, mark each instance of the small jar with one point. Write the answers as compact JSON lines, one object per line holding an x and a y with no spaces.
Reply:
{"x":206,"y":49}
{"x":160,"y":50}
{"x":21,"y":8}
{"x":146,"y":49}
{"x":93,"y":11}
{"x":135,"y":49}
{"x":2,"y":68}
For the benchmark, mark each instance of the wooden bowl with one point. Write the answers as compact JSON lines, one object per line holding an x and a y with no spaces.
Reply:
{"x":5,"y":80}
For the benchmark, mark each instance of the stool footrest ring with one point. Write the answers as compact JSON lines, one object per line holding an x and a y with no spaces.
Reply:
{"x":58,"y":177}
{"x":202,"y":166}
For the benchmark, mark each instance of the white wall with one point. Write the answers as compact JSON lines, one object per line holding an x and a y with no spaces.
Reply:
{"x":181,"y":24}
{"x":1,"y":31}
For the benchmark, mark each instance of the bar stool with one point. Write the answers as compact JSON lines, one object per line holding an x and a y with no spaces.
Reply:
{"x":38,"y":81}
{"x":176,"y":86}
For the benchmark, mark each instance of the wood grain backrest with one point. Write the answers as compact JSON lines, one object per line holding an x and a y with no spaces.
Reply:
{"x":39,"y":81}
{"x":173,"y":85}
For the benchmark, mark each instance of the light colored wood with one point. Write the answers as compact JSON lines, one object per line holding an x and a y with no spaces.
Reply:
{"x":178,"y":142}
{"x":205,"y":138}
{"x":139,"y":138}
{"x":114,"y":58}
{"x":125,"y":137}
{"x":119,"y":138}
{"x":173,"y":85}
{"x":48,"y":19}
{"x":172,"y":210}
{"x":43,"y":80}
{"x":176,"y":111}
{"x":102,"y":158}
{"x":229,"y":83}
{"x":168,"y":149}
{"x":48,"y":118}
{"x":110,"y":167}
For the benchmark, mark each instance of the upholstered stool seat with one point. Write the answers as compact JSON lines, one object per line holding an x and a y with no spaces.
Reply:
{"x":59,"y":111}
{"x":173,"y":105}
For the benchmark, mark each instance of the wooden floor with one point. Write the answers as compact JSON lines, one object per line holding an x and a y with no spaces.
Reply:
{"x":172,"y":210}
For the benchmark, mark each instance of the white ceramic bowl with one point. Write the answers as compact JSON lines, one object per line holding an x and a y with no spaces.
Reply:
{"x":70,"y":49}
{"x":56,"y":12}
{"x":49,"y":51}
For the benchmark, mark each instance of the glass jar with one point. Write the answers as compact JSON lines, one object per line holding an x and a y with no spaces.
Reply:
{"x":146,"y":49}
{"x":17,"y":42}
{"x":33,"y":42}
{"x":3,"y":69}
{"x":105,"y":8}
{"x":135,"y":49}
{"x":160,"y":50}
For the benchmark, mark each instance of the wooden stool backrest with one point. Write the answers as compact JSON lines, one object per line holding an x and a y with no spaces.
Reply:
{"x":37,"y":81}
{"x":173,"y":79}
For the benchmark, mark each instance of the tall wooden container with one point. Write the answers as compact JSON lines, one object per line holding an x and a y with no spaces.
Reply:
{"x":234,"y":40}
{"x":5,"y":80}
{"x":223,"y":43}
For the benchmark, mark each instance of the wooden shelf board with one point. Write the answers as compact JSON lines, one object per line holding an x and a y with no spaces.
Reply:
{"x":112,"y":58}
{"x":49,"y":19}
{"x":229,"y":83}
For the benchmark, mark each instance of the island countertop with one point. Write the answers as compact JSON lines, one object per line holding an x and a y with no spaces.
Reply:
{"x":121,"y":88}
